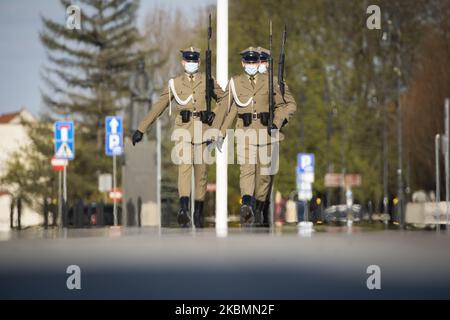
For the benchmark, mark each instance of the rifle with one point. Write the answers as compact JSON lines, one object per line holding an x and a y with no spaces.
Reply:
{"x":271,"y":101}
{"x":281,"y":63}
{"x":209,"y":80}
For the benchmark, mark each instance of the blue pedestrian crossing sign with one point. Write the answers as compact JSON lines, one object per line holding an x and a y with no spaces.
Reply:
{"x":64,"y":140}
{"x":114,"y":136}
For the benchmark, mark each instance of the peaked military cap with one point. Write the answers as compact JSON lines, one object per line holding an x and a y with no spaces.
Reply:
{"x":251,"y":54}
{"x":264,"y":54}
{"x":190,"y":54}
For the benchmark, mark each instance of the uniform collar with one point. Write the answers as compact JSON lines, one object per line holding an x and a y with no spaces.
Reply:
{"x":259,"y":82}
{"x":188,"y":76}
{"x":255,"y":77}
{"x":196,"y":80}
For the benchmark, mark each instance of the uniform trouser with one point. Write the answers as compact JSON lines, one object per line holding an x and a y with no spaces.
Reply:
{"x":255,"y":170}
{"x":194,"y":160}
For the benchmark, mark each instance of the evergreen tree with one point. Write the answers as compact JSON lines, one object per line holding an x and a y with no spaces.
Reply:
{"x":88,"y":79}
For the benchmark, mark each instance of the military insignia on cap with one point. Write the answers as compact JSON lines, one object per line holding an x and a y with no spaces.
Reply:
{"x":190,"y":54}
{"x":251,"y":54}
{"x":264,"y":54}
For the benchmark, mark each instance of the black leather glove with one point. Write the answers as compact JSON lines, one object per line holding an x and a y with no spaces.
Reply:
{"x":270,"y":130}
{"x":137,"y":136}
{"x":207,"y":117}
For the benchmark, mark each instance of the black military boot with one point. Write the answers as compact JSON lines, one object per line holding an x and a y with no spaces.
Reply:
{"x":265,"y":214}
{"x":247,"y":216}
{"x":259,"y":210}
{"x":198,"y":214}
{"x":183,"y":215}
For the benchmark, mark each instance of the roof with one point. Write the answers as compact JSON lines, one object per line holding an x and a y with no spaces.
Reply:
{"x":7,"y":117}
{"x":15,"y":117}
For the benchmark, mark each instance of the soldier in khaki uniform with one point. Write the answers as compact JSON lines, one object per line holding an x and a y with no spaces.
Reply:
{"x":289,"y":109}
{"x":248,"y":94}
{"x":187,"y":92}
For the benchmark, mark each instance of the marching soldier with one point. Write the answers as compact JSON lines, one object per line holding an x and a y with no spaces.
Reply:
{"x":188,"y":91}
{"x":249,"y":102}
{"x":289,"y":109}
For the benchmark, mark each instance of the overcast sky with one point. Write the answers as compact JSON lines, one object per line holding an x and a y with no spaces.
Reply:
{"x":22,"y":55}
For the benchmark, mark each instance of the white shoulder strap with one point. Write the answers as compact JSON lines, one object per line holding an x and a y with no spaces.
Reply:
{"x":175,"y":95}
{"x":235,"y":97}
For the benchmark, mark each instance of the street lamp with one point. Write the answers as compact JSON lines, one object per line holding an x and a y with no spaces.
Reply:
{"x":400,"y":89}
{"x":385,"y":43}
{"x":302,"y":112}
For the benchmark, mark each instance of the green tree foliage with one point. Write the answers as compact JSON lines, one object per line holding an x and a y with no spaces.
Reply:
{"x":86,"y":80}
{"x":87,"y":75}
{"x":28,"y":171}
{"x":340,"y":72}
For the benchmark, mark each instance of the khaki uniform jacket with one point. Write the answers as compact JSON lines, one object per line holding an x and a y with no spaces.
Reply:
{"x":184,"y":87}
{"x":284,"y":108}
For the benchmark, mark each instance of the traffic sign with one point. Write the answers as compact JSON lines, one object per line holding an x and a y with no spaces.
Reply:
{"x":114,"y":136}
{"x":105,"y":182}
{"x":305,"y":175}
{"x":305,"y":162}
{"x":64,"y":140}
{"x":115,"y":194}
{"x":353,"y":180}
{"x":59,"y":164}
{"x":340,"y":180}
{"x":334,"y":180}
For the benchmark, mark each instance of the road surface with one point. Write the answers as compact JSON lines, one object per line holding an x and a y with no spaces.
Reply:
{"x":152,"y":263}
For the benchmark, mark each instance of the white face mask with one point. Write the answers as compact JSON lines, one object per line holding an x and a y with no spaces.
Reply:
{"x":251,"y":69}
{"x":262,"y":68}
{"x":191,"y":67}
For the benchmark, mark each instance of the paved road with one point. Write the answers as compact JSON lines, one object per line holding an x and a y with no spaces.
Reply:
{"x":152,"y":263}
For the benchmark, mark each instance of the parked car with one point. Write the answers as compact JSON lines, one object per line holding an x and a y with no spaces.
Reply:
{"x":340,"y":213}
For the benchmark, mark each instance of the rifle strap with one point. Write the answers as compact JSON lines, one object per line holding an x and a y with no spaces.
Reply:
{"x":177,"y":98}
{"x":238,"y":102}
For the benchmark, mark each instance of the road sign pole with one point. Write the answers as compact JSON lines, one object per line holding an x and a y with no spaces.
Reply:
{"x":59,"y":222}
{"x":447,"y":164}
{"x":114,"y":188}
{"x":438,"y":182}
{"x":158,"y":169}
{"x":65,"y":184}
{"x":114,"y":147}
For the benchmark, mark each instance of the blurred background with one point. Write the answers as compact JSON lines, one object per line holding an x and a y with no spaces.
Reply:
{"x":364,"y":96}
